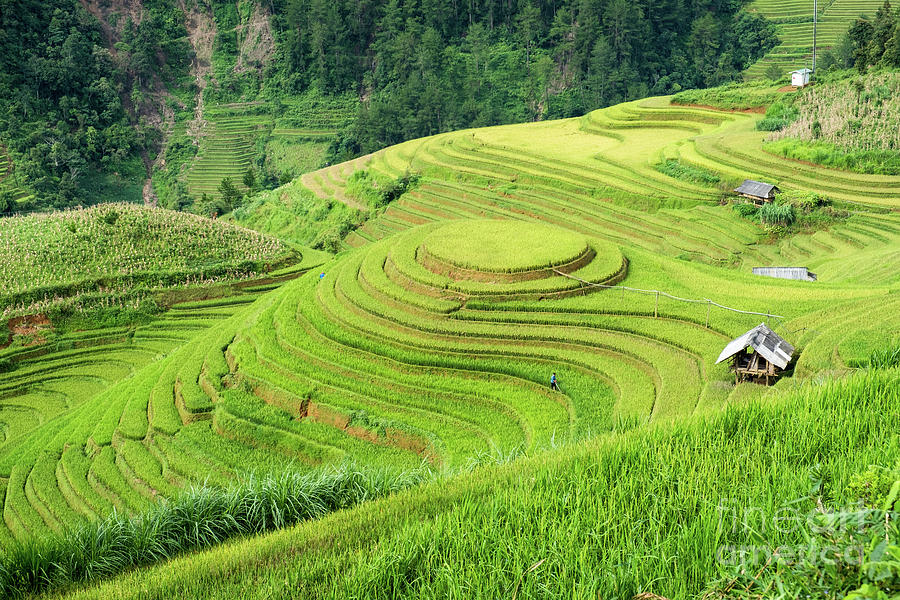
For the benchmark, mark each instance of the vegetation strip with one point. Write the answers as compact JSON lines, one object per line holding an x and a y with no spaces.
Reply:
{"x":197,"y":519}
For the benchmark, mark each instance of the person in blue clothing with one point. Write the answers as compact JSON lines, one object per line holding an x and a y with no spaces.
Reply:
{"x":553,"y":384}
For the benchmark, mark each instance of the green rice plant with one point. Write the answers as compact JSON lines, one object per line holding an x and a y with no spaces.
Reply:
{"x":390,"y":359}
{"x":885,"y":358}
{"x":503,"y":246}
{"x":199,"y":518}
{"x":675,"y":168}
{"x":556,"y":506}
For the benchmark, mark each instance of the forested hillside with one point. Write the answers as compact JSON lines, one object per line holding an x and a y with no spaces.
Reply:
{"x":77,"y":114}
{"x":437,"y":65}
{"x":93,"y":91}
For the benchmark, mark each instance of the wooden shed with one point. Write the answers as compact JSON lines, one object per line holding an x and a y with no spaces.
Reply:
{"x":760,"y":355}
{"x":757,"y":190}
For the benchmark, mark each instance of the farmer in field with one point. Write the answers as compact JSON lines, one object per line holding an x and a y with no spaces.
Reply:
{"x":553,"y":384}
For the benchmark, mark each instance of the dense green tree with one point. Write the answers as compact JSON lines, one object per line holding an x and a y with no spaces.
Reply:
{"x":249,"y":180}
{"x":6,"y":201}
{"x":891,"y":55}
{"x":72,"y":95}
{"x":229,"y":194}
{"x":63,"y":93}
{"x":434,"y":65}
{"x":860,"y":35}
{"x":882,"y":32}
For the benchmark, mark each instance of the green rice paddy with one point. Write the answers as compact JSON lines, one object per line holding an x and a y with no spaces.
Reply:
{"x":431,"y":339}
{"x":288,"y":137}
{"x":504,"y":246}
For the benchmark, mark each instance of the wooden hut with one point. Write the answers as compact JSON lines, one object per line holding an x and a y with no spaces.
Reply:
{"x":760,"y":355}
{"x":757,"y":190}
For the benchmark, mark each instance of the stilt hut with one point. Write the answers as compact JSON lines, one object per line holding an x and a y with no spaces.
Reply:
{"x":760,"y":355}
{"x":757,"y":191}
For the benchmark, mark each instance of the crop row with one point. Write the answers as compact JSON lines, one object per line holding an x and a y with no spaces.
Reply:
{"x":85,"y":444}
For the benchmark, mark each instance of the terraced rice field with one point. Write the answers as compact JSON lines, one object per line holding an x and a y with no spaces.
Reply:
{"x":226,"y":149}
{"x":434,"y":338}
{"x":79,"y":387}
{"x":795,"y":49}
{"x":228,"y":143}
{"x":597,"y":173}
{"x":7,"y":183}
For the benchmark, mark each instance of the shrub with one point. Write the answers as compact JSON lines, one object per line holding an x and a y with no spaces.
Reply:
{"x":778,"y":116}
{"x":377,"y":191}
{"x":774,"y":213}
{"x":804,"y":201}
{"x":746,"y":209}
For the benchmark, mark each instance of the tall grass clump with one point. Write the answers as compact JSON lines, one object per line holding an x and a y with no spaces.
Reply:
{"x":885,"y":358}
{"x":778,"y":116}
{"x":200,"y":518}
{"x":774,"y":213}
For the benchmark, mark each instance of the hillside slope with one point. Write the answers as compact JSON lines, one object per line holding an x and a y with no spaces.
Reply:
{"x":657,"y":511}
{"x":794,"y":25}
{"x":116,"y":92}
{"x":418,"y":345}
{"x":118,"y":247}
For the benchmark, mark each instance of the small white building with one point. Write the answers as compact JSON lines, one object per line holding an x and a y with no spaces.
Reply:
{"x":795,"y":273}
{"x":800,"y":77}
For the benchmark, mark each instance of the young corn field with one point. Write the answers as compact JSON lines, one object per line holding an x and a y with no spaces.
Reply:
{"x":431,"y":340}
{"x":46,"y":257}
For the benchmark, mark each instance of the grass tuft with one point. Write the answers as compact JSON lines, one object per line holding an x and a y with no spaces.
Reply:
{"x":200,"y":518}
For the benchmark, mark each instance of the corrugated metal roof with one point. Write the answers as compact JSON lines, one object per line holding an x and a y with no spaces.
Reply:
{"x":765,"y":341}
{"x":802,"y":71}
{"x":796,"y":273}
{"x":756,"y":188}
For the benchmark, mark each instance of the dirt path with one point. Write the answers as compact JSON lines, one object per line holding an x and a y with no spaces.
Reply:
{"x":257,"y":44}
{"x":201,"y":34}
